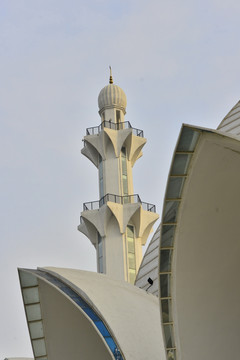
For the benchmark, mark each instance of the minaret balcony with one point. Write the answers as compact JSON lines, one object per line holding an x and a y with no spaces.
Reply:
{"x":126,"y":199}
{"x":95,"y":130}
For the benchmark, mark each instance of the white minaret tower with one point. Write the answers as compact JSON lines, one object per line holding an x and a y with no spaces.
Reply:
{"x":119,"y":223}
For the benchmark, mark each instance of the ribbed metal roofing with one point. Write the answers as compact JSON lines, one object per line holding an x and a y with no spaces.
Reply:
{"x":231,"y":122}
{"x":149,"y":266}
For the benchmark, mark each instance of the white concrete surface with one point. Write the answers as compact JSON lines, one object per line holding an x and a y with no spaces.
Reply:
{"x":206,"y":266}
{"x":131,"y":314}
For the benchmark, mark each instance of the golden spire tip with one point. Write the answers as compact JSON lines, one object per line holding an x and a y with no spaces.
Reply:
{"x":110,"y":79}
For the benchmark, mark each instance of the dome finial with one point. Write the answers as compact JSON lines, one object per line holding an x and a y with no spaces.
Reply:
{"x":110,"y":79}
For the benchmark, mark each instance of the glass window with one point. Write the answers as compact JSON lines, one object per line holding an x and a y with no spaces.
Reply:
{"x":167,"y":235}
{"x":165,"y":285}
{"x":100,"y":263}
{"x":166,"y":310}
{"x":131,"y":253}
{"x":124,"y":166}
{"x":80,"y":301}
{"x":188,"y":139}
{"x":30,"y":295}
{"x":111,"y":343}
{"x":39,"y":347}
{"x":27,"y":279}
{"x":130,"y":231}
{"x":33,"y":312}
{"x":100,"y":246}
{"x":168,"y":331}
{"x":125,"y":184}
{"x":123,"y":151}
{"x":102,"y":328}
{"x":91,"y":313}
{"x":124,"y":171}
{"x":170,"y":211}
{"x":180,"y":164}
{"x":131,"y":260}
{"x":131,"y":245}
{"x":165,"y":260}
{"x":36,"y":329}
{"x":101,"y":188}
{"x":175,"y":186}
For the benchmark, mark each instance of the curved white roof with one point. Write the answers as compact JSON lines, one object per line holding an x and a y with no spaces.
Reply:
{"x":130,"y":314}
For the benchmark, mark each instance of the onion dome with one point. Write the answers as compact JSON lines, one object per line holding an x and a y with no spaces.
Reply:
{"x":112,"y":96}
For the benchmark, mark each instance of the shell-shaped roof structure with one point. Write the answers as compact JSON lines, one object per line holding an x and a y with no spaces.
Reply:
{"x":74,"y":314}
{"x":199,"y":247}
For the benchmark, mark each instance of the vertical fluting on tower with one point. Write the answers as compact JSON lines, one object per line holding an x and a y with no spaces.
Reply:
{"x":118,"y":224}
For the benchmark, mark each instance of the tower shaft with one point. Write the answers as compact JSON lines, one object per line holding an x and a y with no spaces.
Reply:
{"x":119,"y":223}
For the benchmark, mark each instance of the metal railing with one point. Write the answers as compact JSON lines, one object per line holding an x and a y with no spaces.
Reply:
{"x":95,"y":130}
{"x":126,"y":199}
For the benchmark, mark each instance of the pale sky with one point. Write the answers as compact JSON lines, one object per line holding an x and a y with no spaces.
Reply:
{"x":177,"y":61}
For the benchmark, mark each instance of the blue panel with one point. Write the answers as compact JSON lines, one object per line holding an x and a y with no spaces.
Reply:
{"x":80,"y":302}
{"x":91,"y":314}
{"x":102,"y":328}
{"x":111,"y":343}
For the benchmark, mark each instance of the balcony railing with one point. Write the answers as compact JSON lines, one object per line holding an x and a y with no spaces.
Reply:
{"x":126,"y":199}
{"x":115,"y":126}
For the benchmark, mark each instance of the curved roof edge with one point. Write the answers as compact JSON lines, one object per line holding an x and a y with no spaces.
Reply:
{"x":120,"y":306}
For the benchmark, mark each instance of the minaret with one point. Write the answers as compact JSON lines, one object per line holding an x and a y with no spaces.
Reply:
{"x":119,"y":223}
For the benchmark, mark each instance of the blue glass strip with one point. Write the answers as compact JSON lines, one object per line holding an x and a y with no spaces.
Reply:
{"x":102,"y":328}
{"x":86,"y":308}
{"x":111,"y":343}
{"x":91,"y":314}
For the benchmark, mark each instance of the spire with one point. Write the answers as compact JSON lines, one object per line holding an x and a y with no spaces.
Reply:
{"x":110,"y":79}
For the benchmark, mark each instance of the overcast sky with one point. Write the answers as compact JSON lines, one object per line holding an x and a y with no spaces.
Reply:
{"x":177,"y":61}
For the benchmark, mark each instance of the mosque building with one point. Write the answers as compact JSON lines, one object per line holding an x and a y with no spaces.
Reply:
{"x":181,"y":300}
